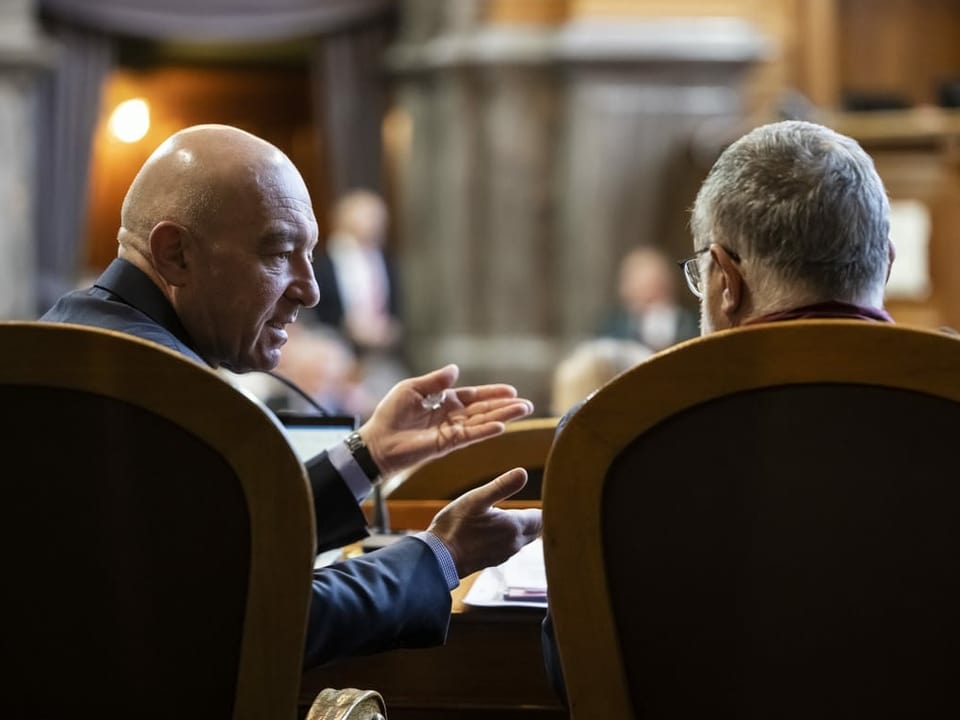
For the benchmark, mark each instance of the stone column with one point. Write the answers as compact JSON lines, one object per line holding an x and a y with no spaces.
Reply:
{"x":539,"y":154}
{"x":476,"y":235}
{"x":23,"y":53}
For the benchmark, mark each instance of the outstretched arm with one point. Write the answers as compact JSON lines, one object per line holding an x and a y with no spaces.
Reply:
{"x":391,"y":598}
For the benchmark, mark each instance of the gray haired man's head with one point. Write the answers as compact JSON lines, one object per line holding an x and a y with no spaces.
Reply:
{"x":806,"y":213}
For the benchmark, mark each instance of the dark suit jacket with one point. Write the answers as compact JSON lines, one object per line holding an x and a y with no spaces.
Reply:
{"x":395,"y":597}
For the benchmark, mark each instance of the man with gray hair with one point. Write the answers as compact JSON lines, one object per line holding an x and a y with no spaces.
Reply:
{"x":791,"y":222}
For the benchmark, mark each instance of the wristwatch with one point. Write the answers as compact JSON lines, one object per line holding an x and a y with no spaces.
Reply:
{"x":361,"y":453}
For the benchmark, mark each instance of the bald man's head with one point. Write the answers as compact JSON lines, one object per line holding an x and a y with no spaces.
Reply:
{"x":192,"y":178}
{"x":221,"y":221}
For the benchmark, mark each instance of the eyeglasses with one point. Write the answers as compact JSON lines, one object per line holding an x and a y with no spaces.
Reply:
{"x":691,"y":269}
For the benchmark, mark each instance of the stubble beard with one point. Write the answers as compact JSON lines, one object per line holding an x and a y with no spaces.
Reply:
{"x":706,"y":324}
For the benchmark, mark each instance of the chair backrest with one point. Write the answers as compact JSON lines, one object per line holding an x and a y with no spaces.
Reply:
{"x":525,"y":443}
{"x":156,"y":535}
{"x":763,"y":523}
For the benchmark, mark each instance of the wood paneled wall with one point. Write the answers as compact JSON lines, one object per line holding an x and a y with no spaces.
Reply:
{"x":273,"y":103}
{"x":824,"y":47}
{"x":783,"y":21}
{"x":906,"y":47}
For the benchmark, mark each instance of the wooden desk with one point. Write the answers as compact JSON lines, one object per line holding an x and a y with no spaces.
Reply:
{"x":417,"y":514}
{"x":491,"y":668}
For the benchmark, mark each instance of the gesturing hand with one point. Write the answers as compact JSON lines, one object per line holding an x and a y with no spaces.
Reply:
{"x":425,"y":417}
{"x":479,"y":535}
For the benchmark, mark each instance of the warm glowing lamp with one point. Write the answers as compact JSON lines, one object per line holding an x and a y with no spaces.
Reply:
{"x":130,"y":120}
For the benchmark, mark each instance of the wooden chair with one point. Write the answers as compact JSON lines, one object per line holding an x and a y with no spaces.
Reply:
{"x":411,"y":498}
{"x":763,"y":523}
{"x":156,"y":532}
{"x":525,"y":443}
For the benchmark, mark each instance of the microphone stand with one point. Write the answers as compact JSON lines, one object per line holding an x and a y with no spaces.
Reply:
{"x":381,"y":516}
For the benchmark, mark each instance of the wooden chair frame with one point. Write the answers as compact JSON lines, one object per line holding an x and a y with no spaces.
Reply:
{"x":781,"y":354}
{"x":525,"y":443}
{"x":273,"y":480}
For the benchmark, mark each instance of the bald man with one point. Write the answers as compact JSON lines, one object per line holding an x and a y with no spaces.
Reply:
{"x":215,"y":248}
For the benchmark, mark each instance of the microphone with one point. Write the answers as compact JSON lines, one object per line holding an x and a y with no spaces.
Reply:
{"x":299,"y":391}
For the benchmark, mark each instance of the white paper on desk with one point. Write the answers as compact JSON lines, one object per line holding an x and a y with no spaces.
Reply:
{"x":328,"y":557}
{"x":523,"y":570}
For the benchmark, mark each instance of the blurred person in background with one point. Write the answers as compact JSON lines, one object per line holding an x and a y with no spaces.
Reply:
{"x":588,"y":366}
{"x":359,"y":292}
{"x":648,"y":310}
{"x":322,"y":364}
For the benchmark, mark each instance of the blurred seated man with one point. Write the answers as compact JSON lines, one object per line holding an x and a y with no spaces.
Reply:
{"x":216,"y":240}
{"x":649,"y":312}
{"x":317,"y":372}
{"x":322,"y":364}
{"x":791,"y":222}
{"x":589,"y":365}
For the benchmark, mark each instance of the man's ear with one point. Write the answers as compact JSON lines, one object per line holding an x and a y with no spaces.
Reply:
{"x":891,"y":255}
{"x":169,"y":244}
{"x":731,"y":282}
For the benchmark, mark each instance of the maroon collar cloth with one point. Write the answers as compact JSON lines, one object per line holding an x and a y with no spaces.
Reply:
{"x":832,"y":309}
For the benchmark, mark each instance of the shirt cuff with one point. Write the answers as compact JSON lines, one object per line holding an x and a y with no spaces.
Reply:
{"x":353,"y":475}
{"x":443,"y":557}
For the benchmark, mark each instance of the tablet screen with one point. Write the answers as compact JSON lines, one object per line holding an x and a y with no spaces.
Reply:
{"x":312,"y":434}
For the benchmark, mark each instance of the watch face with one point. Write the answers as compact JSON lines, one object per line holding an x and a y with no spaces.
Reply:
{"x":362,"y":455}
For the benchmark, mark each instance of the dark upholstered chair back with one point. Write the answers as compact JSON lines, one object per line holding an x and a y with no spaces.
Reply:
{"x":156,"y":536}
{"x":763,"y":523}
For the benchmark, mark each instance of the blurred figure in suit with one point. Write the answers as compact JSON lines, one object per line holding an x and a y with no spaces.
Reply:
{"x":649,"y":312}
{"x":359,"y":294}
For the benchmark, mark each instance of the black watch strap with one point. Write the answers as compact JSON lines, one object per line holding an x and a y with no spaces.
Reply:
{"x":361,"y":453}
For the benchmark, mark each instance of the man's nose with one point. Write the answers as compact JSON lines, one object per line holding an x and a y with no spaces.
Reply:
{"x":304,"y":288}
